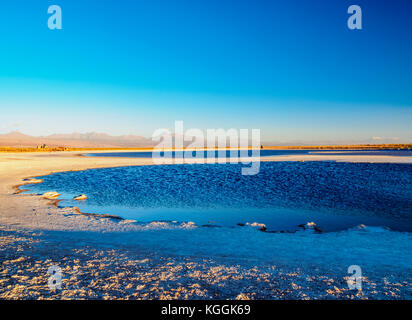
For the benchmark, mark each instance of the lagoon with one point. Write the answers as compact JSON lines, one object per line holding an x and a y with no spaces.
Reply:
{"x":335,"y":196}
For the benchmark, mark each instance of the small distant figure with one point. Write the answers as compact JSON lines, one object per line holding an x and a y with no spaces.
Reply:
{"x":43,"y":146}
{"x":261,"y":146}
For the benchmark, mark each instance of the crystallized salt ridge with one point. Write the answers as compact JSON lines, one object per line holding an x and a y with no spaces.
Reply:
{"x":376,"y":249}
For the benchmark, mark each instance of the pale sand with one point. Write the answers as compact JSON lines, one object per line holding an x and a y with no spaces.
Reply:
{"x":34,"y":235}
{"x":29,"y":211}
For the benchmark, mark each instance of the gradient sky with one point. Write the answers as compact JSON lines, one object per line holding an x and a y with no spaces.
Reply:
{"x":290,"y":68}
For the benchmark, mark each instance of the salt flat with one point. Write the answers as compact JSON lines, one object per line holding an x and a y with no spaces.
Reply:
{"x":109,"y":258}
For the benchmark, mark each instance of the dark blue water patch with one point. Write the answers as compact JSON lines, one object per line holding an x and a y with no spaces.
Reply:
{"x":284,"y":194}
{"x":393,"y":153}
{"x":204,"y":154}
{"x":263,"y":153}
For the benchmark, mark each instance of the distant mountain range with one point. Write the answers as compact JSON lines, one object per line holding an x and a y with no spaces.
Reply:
{"x":75,"y":140}
{"x":103,"y":140}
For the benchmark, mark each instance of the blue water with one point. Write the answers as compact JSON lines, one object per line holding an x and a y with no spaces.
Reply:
{"x":215,"y":154}
{"x":283,"y":195}
{"x":263,"y":153}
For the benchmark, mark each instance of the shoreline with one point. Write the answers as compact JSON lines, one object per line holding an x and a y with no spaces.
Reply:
{"x":50,"y":235}
{"x":347,"y":147}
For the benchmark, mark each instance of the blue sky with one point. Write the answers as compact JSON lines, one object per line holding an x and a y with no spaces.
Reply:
{"x":290,"y":68}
